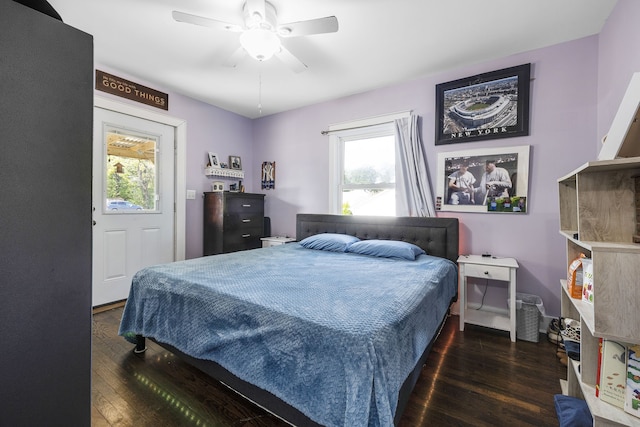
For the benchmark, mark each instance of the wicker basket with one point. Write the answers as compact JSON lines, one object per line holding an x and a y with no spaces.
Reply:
{"x":528,"y":309}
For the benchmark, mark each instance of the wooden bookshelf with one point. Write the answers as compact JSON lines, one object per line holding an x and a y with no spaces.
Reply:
{"x":598,"y":218}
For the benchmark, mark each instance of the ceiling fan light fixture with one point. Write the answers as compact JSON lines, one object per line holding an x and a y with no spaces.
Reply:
{"x":260,"y":44}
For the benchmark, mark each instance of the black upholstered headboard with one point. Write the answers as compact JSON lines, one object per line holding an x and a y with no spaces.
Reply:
{"x":437,"y":236}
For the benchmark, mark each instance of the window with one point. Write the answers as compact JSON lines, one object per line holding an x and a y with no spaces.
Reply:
{"x":363,"y":177}
{"x":370,"y":145}
{"x":130,"y":171}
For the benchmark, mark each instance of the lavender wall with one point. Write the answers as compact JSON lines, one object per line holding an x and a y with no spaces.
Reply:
{"x":563,"y":125}
{"x":209,"y":128}
{"x":618,"y":59}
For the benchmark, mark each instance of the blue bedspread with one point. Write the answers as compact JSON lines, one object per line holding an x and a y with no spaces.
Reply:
{"x":332,"y":334}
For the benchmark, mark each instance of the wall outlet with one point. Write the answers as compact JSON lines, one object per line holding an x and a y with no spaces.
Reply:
{"x":191,"y":194}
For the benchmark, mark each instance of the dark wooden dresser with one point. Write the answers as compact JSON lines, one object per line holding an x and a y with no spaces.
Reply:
{"x":232,"y":222}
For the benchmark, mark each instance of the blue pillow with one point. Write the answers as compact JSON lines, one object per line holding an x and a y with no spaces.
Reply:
{"x":572,"y":412}
{"x":332,"y":242}
{"x":386,"y":249}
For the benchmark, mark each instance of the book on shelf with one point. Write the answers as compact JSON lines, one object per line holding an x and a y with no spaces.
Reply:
{"x":613,"y":372}
{"x":632,"y":394}
{"x":599,"y":368}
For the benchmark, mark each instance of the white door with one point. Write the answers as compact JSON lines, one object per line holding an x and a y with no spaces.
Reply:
{"x":133,"y":200}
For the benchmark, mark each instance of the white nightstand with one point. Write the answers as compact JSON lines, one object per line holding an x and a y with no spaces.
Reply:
{"x":275,"y":241}
{"x":492,"y":268}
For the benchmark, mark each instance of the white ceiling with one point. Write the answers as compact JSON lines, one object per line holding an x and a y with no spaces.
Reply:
{"x":379,"y":43}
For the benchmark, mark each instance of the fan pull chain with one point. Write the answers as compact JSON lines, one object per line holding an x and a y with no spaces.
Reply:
{"x":260,"y":93}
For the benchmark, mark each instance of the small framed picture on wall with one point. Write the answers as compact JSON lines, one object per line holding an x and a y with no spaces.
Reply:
{"x":235,"y":163}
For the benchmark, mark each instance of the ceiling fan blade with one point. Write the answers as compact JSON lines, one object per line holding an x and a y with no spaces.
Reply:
{"x":290,"y":60}
{"x":328,"y":24}
{"x":205,"y":22}
{"x":237,"y":56}
{"x":255,"y":12}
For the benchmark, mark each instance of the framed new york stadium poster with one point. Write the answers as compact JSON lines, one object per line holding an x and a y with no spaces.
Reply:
{"x":485,"y":106}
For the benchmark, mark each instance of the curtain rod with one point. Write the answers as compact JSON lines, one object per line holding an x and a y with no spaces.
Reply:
{"x":327,"y":132}
{"x":386,"y":118}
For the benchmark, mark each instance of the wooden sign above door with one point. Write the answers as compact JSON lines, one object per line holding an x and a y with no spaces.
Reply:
{"x":114,"y":85}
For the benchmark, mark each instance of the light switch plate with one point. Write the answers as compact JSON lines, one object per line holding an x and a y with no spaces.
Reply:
{"x":191,"y":194}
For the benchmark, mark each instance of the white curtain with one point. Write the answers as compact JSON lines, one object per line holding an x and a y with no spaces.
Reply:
{"x":413,"y":189}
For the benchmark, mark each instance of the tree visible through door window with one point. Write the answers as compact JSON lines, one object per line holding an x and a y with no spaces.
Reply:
{"x":131,"y":176}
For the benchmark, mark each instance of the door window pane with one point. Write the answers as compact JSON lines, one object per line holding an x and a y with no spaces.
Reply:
{"x":131,"y":175}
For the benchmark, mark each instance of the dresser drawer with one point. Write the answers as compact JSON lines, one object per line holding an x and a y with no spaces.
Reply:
{"x":243,"y":220}
{"x":487,"y":271}
{"x":244,"y":205}
{"x":240,"y":241}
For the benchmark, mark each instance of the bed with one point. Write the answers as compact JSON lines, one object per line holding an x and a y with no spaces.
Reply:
{"x":315,"y":336}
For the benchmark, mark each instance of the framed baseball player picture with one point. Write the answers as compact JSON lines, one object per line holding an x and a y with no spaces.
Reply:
{"x":484,"y":180}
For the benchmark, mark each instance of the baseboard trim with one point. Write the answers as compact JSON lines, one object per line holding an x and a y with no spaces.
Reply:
{"x":106,"y":307}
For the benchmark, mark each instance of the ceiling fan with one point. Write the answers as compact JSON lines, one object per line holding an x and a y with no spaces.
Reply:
{"x":261,"y":32}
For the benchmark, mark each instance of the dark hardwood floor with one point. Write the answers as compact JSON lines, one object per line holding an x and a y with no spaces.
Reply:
{"x":473,"y":378}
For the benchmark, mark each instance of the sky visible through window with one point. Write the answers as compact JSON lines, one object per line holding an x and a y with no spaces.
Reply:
{"x":378,"y":153}
{"x":368,"y":162}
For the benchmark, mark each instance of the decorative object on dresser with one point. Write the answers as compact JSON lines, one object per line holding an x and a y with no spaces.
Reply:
{"x":232,"y":222}
{"x":217,"y":186}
